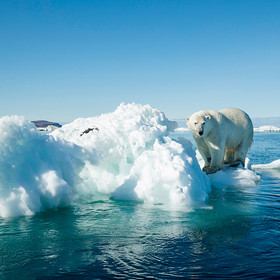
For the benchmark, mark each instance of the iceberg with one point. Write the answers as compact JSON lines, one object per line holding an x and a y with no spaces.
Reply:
{"x":126,"y":154}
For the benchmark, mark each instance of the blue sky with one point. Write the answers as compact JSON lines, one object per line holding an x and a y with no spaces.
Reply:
{"x":65,"y":59}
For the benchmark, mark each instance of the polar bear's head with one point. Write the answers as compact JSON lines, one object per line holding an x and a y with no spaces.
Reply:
{"x":198,"y":123}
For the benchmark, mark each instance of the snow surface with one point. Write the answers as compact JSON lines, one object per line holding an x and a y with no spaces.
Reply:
{"x":127,"y":154}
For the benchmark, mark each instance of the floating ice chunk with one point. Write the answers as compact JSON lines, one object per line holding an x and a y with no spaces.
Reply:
{"x":267,"y":128}
{"x":232,"y":176}
{"x":273,"y":165}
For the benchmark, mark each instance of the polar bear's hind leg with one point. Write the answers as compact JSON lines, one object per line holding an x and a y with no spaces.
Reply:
{"x":240,"y":154}
{"x":229,"y":156}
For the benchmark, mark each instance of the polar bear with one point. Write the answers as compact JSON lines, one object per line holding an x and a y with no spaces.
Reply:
{"x":222,"y":137}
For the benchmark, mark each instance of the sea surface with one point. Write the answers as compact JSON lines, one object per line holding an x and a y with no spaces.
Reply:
{"x":235,"y":236}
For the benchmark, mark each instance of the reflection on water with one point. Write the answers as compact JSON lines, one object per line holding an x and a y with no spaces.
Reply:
{"x":122,"y":239}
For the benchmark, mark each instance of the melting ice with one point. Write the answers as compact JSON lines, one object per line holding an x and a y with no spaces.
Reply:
{"x":127,"y":154}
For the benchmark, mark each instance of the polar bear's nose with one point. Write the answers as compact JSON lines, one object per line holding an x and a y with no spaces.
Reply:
{"x":200,"y":132}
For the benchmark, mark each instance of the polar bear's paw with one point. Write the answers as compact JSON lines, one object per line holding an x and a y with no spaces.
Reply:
{"x":236,"y":163}
{"x":211,"y":170}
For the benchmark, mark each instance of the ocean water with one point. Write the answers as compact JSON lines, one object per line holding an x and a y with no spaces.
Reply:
{"x":236,"y":235}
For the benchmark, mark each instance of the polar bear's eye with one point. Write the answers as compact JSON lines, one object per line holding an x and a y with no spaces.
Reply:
{"x":195,"y":123}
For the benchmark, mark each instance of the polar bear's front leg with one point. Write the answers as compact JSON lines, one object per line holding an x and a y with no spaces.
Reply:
{"x":217,"y":155}
{"x":204,"y":152}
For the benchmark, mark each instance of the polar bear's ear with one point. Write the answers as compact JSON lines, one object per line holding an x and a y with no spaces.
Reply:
{"x":187,"y":119}
{"x":208,"y":117}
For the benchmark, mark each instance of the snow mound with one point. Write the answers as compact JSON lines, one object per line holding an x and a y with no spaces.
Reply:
{"x":126,"y":154}
{"x":135,"y":157}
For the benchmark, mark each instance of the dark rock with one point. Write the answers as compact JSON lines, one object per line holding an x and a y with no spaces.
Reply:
{"x":45,"y":123}
{"x":88,"y":130}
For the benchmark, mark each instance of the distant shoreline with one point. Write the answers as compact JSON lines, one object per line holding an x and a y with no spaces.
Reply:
{"x":43,"y":125}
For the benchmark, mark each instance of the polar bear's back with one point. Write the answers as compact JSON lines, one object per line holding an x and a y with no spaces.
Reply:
{"x":238,"y":117}
{"x":239,"y":122}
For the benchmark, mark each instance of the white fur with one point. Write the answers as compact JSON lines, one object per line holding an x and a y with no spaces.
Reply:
{"x":223,"y":136}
